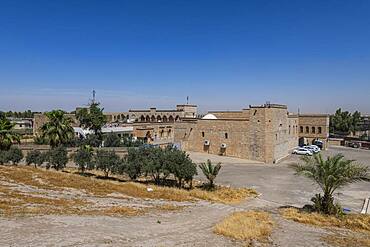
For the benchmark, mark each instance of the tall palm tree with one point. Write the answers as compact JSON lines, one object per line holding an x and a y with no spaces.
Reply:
{"x":7,"y":134}
{"x":210,"y":171}
{"x":330,"y":174}
{"x":58,"y":129}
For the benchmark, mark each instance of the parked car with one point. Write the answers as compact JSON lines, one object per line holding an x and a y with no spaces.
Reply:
{"x":353,"y":145}
{"x":302,"y":151}
{"x":318,"y":143}
{"x":313,"y":148}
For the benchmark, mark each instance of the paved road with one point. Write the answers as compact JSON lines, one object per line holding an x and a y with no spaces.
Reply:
{"x":278,"y":183}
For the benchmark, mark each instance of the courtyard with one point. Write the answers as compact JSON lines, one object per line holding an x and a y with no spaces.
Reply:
{"x":193,"y":223}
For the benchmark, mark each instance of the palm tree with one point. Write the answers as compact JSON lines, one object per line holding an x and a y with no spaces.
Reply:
{"x":7,"y":134}
{"x":330,"y":174}
{"x":58,"y":129}
{"x":210,"y":171}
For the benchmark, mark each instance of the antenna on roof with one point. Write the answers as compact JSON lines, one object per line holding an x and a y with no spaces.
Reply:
{"x":93,"y":99}
{"x":187,"y":100}
{"x":298,"y":110}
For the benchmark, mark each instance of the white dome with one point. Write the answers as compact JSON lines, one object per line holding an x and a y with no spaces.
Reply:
{"x":209,"y":116}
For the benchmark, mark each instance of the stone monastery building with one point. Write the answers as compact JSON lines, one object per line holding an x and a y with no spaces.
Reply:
{"x":266,"y":133}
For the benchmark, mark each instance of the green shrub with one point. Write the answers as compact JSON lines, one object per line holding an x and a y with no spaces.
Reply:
{"x":210,"y":171}
{"x":57,"y":158}
{"x":107,"y":161}
{"x":35,"y":157}
{"x":134,"y":162}
{"x":180,"y":165}
{"x":39,"y":140}
{"x":91,"y":140}
{"x":84,"y":158}
{"x":3,"y":157}
{"x":154,"y":164}
{"x":112,"y":140}
{"x":15,"y":155}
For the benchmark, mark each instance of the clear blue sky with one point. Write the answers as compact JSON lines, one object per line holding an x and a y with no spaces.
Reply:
{"x":225,"y":55}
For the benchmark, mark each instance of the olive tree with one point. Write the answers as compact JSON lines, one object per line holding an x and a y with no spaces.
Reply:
{"x":107,"y":161}
{"x":134,"y":162}
{"x":154,"y":164}
{"x":15,"y":155}
{"x":35,"y":157}
{"x":180,"y":165}
{"x":84,"y":158}
{"x":57,"y":158}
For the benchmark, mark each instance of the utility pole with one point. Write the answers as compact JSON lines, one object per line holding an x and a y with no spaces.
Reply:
{"x":93,"y":99}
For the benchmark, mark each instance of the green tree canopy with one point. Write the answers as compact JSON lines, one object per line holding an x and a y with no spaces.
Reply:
{"x":57,"y":158}
{"x":344,"y":121}
{"x":107,"y":161}
{"x":58,"y":129}
{"x":92,"y":118}
{"x":210,"y":171}
{"x":330,"y":174}
{"x":84,"y":158}
{"x":7,"y":134}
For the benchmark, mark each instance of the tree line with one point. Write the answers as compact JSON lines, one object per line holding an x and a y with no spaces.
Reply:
{"x":344,"y":122}
{"x":15,"y":114}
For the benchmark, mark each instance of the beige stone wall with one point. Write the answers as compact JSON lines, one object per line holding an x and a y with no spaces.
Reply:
{"x":233,"y":133}
{"x":314,"y":126}
{"x":293,"y":129}
{"x":267,"y":134}
{"x":230,"y":114}
{"x":154,"y":131}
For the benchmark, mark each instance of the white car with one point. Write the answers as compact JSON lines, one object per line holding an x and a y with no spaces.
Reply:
{"x":302,"y":151}
{"x":313,"y":148}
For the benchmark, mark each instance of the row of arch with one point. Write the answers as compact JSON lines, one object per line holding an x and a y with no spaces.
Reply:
{"x":158,"y":118}
{"x":312,"y":130}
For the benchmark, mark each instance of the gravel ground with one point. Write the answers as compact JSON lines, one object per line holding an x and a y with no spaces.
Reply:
{"x":193,"y":226}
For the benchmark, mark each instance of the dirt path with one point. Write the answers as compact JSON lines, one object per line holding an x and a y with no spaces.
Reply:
{"x":190,"y":227}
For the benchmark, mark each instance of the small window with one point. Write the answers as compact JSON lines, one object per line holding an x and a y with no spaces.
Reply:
{"x":289,"y":129}
{"x":202,"y":133}
{"x":307,"y":129}
{"x":301,"y":129}
{"x":319,"y":130}
{"x":276,"y":136}
{"x":313,"y":130}
{"x":255,"y":112}
{"x":226,"y":136}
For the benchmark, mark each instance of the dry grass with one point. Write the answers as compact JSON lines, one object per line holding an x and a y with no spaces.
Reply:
{"x":53,"y":180}
{"x":224,"y":194}
{"x":355,"y":222}
{"x":15,"y":203}
{"x":246,"y":225}
{"x":36,"y":191}
{"x":345,"y":241}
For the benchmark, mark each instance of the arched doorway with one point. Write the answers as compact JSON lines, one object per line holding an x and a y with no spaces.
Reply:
{"x":170,"y":119}
{"x":164,"y":119}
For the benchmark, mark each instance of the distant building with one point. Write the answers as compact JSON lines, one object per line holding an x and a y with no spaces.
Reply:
{"x":22,"y":125}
